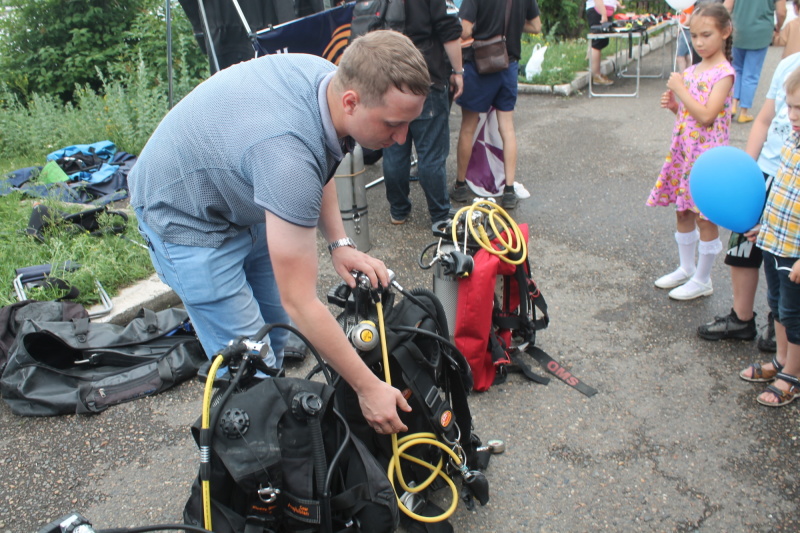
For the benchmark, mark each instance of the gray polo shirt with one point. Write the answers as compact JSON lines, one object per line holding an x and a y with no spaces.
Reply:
{"x":256,"y":136}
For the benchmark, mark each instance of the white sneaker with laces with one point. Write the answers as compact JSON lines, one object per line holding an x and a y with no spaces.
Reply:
{"x":690,"y":290}
{"x":673,"y":279}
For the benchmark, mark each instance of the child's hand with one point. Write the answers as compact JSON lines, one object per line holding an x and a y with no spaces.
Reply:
{"x":753,"y":233}
{"x":675,"y":82}
{"x":794,"y":275}
{"x":668,"y":101}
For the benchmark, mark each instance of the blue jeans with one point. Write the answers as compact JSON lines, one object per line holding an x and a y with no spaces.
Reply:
{"x":747,"y":66}
{"x":228,"y":291}
{"x":783,"y":295}
{"x":430,"y":133}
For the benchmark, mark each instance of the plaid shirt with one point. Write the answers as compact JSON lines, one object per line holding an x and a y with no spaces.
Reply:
{"x":780,"y":223}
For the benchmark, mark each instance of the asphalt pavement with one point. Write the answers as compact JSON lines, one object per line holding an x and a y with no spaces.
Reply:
{"x":673,"y":441}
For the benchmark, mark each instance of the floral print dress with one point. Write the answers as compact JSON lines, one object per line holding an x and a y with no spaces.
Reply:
{"x":690,"y":139}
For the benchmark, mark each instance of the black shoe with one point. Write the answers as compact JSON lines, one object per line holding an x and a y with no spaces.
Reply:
{"x":509,"y":200}
{"x":460,"y":194}
{"x":766,"y":342}
{"x":729,"y":327}
{"x":295,"y":349}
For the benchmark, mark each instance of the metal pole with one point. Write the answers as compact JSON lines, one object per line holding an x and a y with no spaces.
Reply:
{"x":209,"y":41}
{"x":169,"y":49}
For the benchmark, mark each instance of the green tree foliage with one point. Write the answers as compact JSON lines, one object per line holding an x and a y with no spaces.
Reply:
{"x":562,"y":18}
{"x":53,"y":46}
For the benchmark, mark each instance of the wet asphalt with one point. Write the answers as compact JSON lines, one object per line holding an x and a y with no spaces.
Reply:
{"x":673,"y":441}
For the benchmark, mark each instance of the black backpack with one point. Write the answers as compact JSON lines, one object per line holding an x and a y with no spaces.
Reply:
{"x":281,"y":458}
{"x":371,"y":15}
{"x":434,"y":377}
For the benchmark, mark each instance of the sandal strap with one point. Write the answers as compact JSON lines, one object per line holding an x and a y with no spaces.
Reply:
{"x":789,"y":379}
{"x":776,"y":364}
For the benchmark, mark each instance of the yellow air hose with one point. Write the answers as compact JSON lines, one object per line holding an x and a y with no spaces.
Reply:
{"x":205,"y":421}
{"x":399,"y":447}
{"x":494,"y":214}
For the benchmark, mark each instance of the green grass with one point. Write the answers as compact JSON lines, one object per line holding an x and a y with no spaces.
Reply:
{"x":563,"y":59}
{"x":113,"y":261}
{"x":125,"y":112}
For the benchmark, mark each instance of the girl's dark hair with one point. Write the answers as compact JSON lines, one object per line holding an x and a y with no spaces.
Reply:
{"x":722,"y":18}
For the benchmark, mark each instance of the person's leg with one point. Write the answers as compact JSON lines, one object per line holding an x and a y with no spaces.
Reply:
{"x":683,"y":56}
{"x":751,"y":72}
{"x":758,"y":372}
{"x":744,"y":258}
{"x":744,"y":282}
{"x":261,"y":278}
{"x":596,"y":59}
{"x":686,"y":236}
{"x":737,"y":61}
{"x":213,"y":286}
{"x":707,"y":250}
{"x":787,"y":334}
{"x":505,"y":125}
{"x":396,"y":173}
{"x":466,"y":134}
{"x":431,"y":134}
{"x":504,"y":102}
{"x":476,"y":99}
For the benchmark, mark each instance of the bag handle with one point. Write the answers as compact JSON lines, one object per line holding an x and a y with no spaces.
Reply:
{"x":508,"y":15}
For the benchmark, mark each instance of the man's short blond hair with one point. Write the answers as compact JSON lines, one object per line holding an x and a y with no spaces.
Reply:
{"x":792,"y":82}
{"x":374,"y":63}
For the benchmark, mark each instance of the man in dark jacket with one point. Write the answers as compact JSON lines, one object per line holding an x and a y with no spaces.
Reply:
{"x":481,"y":20}
{"x":437,"y":34}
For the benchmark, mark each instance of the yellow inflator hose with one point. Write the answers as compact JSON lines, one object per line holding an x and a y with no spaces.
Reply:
{"x":495,"y":214}
{"x":205,"y":422}
{"x":399,"y":447}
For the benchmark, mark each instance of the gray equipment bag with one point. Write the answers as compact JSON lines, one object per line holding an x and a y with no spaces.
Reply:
{"x":81,"y":367}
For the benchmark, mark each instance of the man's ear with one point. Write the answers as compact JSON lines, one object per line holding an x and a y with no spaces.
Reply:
{"x":350,"y":100}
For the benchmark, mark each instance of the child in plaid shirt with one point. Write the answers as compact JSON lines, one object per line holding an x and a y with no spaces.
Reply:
{"x":778,"y":236}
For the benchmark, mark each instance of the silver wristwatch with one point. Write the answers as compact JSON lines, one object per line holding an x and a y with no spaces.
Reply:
{"x":347,"y":241}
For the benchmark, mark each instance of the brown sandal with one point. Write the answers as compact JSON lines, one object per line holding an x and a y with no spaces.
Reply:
{"x":784,"y":397}
{"x":759,"y":374}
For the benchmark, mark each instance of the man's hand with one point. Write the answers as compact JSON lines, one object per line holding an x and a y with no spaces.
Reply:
{"x":379,"y":402}
{"x":456,"y":84}
{"x":346,"y":259}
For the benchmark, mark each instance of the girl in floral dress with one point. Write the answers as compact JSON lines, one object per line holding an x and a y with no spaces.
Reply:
{"x":700,"y":97}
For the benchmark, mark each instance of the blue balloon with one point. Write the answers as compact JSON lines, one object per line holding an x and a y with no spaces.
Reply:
{"x":728,"y":187}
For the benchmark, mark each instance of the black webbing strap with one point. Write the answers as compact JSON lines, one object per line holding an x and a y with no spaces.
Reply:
{"x":523,"y":367}
{"x":555,"y":368}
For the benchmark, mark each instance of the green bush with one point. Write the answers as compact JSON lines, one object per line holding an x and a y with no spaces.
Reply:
{"x":125,"y":112}
{"x":53,"y":46}
{"x":562,"y":18}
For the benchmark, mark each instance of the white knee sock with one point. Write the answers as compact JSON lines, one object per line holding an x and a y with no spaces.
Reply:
{"x":707,"y":251}
{"x":686,"y":244}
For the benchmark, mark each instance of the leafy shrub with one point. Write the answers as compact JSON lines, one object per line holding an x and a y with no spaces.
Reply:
{"x":53,"y":46}
{"x":125,"y":112}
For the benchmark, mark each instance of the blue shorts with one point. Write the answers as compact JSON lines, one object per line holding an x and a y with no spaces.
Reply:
{"x":684,"y":42}
{"x":482,"y":91}
{"x":783,"y":295}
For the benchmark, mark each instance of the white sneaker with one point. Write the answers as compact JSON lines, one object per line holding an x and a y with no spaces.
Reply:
{"x":690,"y":290}
{"x":673,"y":279}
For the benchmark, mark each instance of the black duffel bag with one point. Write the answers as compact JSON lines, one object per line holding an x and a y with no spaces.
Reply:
{"x":82,"y":367}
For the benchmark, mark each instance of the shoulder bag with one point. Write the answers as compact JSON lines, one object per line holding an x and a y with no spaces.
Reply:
{"x":491,"y":55}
